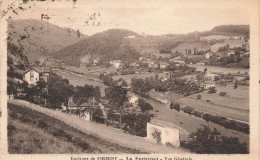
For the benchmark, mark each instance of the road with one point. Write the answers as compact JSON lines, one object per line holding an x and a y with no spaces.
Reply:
{"x":99,"y":130}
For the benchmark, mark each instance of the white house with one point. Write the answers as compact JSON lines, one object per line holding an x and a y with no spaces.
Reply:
{"x":153,"y":64}
{"x":134,"y":64}
{"x":179,"y":62}
{"x":208,"y":55}
{"x":209,"y":85}
{"x":159,"y":132}
{"x":116,"y":63}
{"x":163,"y":65}
{"x":133,"y":100}
{"x":209,"y":77}
{"x":32,"y":76}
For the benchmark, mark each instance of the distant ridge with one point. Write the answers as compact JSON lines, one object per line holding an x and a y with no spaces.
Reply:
{"x":231,"y":29}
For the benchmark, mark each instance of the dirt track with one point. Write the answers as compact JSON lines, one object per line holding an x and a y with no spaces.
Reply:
{"x":107,"y":133}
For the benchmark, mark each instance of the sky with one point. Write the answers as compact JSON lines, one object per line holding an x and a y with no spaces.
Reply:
{"x":148,"y":16}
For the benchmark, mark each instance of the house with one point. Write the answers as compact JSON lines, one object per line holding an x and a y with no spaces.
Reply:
{"x":231,"y":53}
{"x":116,"y":63}
{"x":208,"y":55}
{"x":153,"y":64}
{"x":179,"y":63}
{"x":209,"y":77}
{"x":163,"y":65}
{"x":133,"y":100}
{"x":164,"y":132}
{"x":71,"y":104}
{"x":95,"y":61}
{"x":45,"y":73}
{"x":207,"y":85}
{"x":135,"y":65}
{"x":32,"y":76}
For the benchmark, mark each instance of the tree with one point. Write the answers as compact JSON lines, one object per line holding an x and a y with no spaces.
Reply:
{"x":117,"y":96}
{"x":124,"y":84}
{"x":84,"y":93}
{"x":212,"y":90}
{"x":144,"y":105}
{"x":205,"y":70}
{"x":211,"y":142}
{"x":236,"y":84}
{"x":11,"y":89}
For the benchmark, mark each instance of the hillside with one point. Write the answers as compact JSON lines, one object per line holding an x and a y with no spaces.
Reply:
{"x":104,"y":46}
{"x":31,"y":132}
{"x":231,"y":30}
{"x":38,"y":37}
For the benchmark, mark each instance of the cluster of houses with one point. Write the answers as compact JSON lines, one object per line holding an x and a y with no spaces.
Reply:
{"x":33,"y":75}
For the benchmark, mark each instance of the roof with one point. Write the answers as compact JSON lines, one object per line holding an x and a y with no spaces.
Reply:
{"x":36,"y":70}
{"x":168,"y":125}
{"x":72,"y":104}
{"x":85,"y":104}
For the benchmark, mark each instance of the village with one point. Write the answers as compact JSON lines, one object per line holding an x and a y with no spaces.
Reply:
{"x":118,"y":95}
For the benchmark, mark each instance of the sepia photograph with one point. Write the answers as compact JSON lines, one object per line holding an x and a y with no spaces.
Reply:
{"x":128,"y":77}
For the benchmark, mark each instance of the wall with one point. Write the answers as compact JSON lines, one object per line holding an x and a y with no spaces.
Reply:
{"x":168,"y":135}
{"x":35,"y":79}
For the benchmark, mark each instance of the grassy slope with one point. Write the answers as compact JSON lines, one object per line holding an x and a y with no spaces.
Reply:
{"x":37,"y":37}
{"x":32,"y":132}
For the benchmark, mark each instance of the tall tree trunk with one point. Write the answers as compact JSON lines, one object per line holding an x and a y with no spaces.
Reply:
{"x":120,"y":118}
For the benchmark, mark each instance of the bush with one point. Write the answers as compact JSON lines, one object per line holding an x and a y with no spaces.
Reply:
{"x":223,"y":94}
{"x":42,"y":124}
{"x":14,"y":116}
{"x":136,"y":124}
{"x":11,"y":129}
{"x":157,"y":136}
{"x":77,"y":141}
{"x":212,"y":90}
{"x":62,"y":133}
{"x":26,"y":120}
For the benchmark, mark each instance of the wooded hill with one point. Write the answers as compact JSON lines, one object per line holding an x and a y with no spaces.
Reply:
{"x":38,"y":37}
{"x":104,"y":46}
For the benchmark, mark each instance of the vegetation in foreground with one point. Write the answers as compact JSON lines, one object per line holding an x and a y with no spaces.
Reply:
{"x":31,"y":132}
{"x":211,"y":142}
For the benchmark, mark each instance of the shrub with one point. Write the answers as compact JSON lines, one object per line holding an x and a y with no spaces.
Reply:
{"x":77,"y":141}
{"x":62,"y":133}
{"x":199,"y":96}
{"x":157,"y":135}
{"x":223,"y":94}
{"x":212,"y":90}
{"x":13,"y":115}
{"x":10,"y":129}
{"x":42,"y":124}
{"x":26,"y":120}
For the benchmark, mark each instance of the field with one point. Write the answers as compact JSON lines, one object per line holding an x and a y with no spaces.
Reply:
{"x":128,"y":77}
{"x":31,"y":132}
{"x":231,"y":43}
{"x":190,"y":123}
{"x":190,"y":45}
{"x":235,"y":105}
